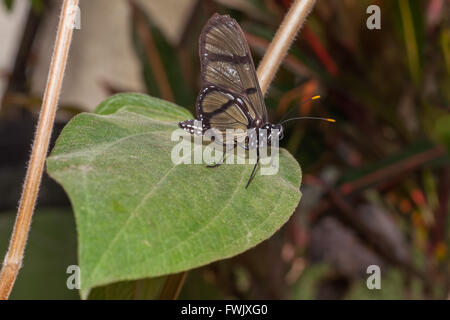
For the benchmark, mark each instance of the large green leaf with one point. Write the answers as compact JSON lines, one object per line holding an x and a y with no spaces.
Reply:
{"x":138,"y":215}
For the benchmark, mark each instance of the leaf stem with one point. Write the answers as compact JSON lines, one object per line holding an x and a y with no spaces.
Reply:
{"x":14,"y":256}
{"x":280,"y":44}
{"x":172,"y":286}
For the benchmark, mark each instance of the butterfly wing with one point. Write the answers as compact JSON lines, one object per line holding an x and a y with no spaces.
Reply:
{"x":230,"y":97}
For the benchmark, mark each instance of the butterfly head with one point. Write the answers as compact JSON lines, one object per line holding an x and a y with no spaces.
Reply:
{"x":280,"y":130}
{"x":274,"y":131}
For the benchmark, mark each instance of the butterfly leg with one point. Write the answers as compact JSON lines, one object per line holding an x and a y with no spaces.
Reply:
{"x":215,"y":165}
{"x":223,"y":158}
{"x":254,"y":169}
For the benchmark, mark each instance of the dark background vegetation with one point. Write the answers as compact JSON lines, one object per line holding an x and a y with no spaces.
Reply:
{"x":375,"y":184}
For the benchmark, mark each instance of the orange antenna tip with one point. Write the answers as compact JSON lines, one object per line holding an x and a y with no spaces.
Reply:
{"x":330,"y":120}
{"x":315,"y":97}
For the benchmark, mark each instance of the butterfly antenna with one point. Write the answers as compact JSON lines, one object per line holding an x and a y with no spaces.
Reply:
{"x":309,"y":118}
{"x":304,"y":101}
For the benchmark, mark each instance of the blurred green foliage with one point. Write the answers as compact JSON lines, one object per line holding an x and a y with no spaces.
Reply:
{"x":51,"y":249}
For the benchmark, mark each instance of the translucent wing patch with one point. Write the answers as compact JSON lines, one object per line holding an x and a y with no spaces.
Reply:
{"x":227,"y":66}
{"x":224,"y":113}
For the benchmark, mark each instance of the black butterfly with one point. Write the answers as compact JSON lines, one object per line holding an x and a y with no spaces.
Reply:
{"x":230,"y":97}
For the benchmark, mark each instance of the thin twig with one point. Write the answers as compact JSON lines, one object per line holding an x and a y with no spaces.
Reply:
{"x":259,"y":45}
{"x":280,"y":44}
{"x":14,"y":256}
